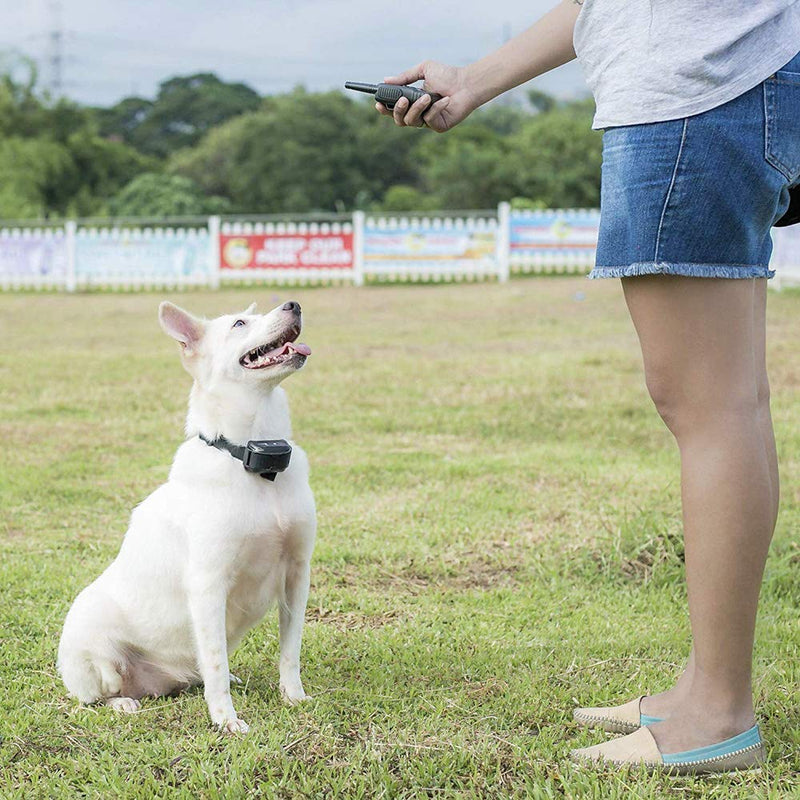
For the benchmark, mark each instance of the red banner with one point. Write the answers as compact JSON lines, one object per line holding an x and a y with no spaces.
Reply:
{"x":286,"y":251}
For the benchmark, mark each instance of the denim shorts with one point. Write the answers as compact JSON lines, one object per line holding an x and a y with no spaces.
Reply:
{"x":698,"y":196}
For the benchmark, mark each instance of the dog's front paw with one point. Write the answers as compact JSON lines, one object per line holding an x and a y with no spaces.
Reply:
{"x":293,"y":693}
{"x":235,"y":726}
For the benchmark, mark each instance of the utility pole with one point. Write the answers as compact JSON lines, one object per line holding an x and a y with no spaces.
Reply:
{"x":55,"y":49}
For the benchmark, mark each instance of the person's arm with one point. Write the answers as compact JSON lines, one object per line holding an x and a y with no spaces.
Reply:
{"x":544,"y":46}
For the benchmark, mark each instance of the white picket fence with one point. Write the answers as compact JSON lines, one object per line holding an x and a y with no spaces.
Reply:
{"x":353,"y":248}
{"x":786,"y":256}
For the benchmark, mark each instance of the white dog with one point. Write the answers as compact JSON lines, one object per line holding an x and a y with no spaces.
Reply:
{"x":211,"y":549}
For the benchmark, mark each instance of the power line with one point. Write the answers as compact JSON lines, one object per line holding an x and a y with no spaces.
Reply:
{"x":176,"y":51}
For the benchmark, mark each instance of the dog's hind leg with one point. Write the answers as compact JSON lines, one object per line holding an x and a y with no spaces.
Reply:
{"x":95,"y":679}
{"x":127,"y":705}
{"x":81,"y":676}
{"x":91,"y":663}
{"x":113,"y":687}
{"x":291,"y":614}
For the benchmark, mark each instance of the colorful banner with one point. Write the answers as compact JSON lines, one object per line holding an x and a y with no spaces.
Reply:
{"x":134,"y":257}
{"x":555,"y":232}
{"x":286,"y":251}
{"x":39,"y":257}
{"x":385,"y":247}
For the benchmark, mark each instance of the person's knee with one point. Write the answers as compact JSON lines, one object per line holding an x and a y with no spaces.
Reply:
{"x":666,"y":396}
{"x":687,"y":405}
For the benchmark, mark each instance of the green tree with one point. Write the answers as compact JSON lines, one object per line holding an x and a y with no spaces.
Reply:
{"x":155,"y":195}
{"x":185,"y":109}
{"x":551,"y":157}
{"x":501,"y":119}
{"x":42,"y":178}
{"x":52,"y":160}
{"x":32,"y":174}
{"x":407,"y":198}
{"x":122,"y":120}
{"x":24,"y":113}
{"x":463,"y":168}
{"x":20,"y":109}
{"x":541,"y":101}
{"x":300,"y":152}
{"x":387,"y":155}
{"x":555,"y":158}
{"x":103,"y":167}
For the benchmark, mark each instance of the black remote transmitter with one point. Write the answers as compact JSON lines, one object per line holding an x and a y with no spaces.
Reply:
{"x":390,"y":93}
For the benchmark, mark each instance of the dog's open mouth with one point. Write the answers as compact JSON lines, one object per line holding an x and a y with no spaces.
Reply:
{"x":278,"y":351}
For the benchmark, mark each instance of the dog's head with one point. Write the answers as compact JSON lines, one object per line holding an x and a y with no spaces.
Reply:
{"x":247,"y":348}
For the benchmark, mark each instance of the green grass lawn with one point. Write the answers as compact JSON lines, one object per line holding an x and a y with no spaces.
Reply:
{"x":499,"y":540}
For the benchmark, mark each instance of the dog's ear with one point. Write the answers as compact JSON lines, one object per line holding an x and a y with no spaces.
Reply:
{"x":186,"y":329}
{"x":251,"y":309}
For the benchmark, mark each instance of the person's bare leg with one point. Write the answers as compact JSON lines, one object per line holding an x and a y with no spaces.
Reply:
{"x":765,"y":418}
{"x":699,"y":341}
{"x":663,"y":704}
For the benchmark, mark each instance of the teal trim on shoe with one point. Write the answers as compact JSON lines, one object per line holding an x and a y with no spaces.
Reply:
{"x":645,"y":720}
{"x":749,"y":738}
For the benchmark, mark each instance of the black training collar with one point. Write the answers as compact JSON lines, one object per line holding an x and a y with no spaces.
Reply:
{"x":267,"y":457}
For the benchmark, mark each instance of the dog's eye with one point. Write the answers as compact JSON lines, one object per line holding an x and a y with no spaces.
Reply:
{"x":239,"y":323}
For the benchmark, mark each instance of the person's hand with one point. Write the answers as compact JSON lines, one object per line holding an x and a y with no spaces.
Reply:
{"x":457,"y":102}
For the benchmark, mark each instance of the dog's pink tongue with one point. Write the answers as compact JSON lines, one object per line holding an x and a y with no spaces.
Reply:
{"x":303,"y":349}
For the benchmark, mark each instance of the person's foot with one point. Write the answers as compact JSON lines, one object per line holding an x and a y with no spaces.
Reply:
{"x":624,"y":718}
{"x":646,"y":710}
{"x":742,"y":751}
{"x":691,"y":727}
{"x":665,"y":704}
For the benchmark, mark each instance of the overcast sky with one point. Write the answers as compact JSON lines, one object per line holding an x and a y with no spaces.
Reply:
{"x":115,"y":48}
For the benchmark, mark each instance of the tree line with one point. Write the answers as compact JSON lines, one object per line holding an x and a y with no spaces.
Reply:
{"x":205,"y":146}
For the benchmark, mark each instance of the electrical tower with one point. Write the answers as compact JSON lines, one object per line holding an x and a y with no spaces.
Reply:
{"x":55,"y":49}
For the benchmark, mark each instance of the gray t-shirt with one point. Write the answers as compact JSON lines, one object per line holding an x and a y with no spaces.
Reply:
{"x":655,"y":60}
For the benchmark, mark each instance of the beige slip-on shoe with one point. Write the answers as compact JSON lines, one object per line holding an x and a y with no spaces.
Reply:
{"x":615,"y":719}
{"x":745,"y":751}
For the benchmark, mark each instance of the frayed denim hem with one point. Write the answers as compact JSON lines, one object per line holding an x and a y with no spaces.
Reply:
{"x":689,"y":270}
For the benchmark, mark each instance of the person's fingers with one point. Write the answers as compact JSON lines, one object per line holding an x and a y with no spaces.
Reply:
{"x":433,"y":116}
{"x":414,"y":115}
{"x":407,"y":76}
{"x":382,"y":108}
{"x":400,"y":108}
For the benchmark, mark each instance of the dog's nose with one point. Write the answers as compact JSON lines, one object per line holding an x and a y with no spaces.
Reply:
{"x":292,"y":306}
